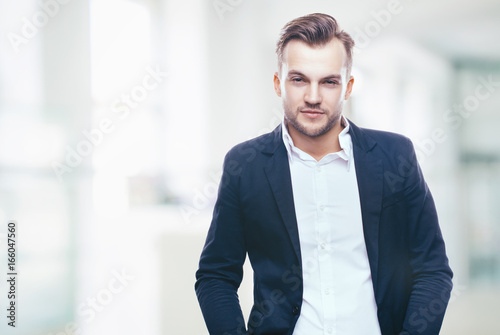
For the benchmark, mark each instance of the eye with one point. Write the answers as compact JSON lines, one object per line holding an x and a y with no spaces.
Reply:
{"x":297,"y":79}
{"x":332,"y":82}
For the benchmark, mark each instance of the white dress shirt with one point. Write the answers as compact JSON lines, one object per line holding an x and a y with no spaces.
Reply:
{"x":338,"y":296}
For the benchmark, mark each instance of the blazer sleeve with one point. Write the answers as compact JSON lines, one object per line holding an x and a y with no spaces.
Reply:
{"x":221,"y":263}
{"x":431,"y":274}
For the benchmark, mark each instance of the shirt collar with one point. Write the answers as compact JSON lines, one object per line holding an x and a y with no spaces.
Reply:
{"x":345,"y":142}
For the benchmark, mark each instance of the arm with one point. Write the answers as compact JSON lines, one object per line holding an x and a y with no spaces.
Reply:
{"x":429,"y":265}
{"x":221,"y":264}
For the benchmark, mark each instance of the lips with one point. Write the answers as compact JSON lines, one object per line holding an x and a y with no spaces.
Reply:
{"x":312,"y":113}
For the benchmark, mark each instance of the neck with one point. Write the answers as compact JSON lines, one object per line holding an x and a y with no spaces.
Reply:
{"x":320,"y":146}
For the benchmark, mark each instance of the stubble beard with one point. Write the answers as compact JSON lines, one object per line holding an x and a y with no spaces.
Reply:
{"x":292,"y":119}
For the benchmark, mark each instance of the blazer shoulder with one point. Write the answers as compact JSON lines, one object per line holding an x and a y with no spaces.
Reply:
{"x":388,"y":141}
{"x":385,"y":135}
{"x":261,"y":144}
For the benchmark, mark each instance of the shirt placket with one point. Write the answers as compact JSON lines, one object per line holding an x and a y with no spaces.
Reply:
{"x":324,"y":248}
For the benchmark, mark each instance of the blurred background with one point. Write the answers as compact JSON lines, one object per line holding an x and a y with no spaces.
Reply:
{"x":115,"y":116}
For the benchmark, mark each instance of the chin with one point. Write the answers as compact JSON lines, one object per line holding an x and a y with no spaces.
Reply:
{"x":314,"y":131}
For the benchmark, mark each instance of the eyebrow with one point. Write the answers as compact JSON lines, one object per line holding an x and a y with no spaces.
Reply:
{"x":298,"y":73}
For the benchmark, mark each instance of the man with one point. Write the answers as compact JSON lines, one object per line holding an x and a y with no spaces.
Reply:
{"x":337,"y":221}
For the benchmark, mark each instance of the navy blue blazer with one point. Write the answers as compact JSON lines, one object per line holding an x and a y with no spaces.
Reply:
{"x":254,"y":214}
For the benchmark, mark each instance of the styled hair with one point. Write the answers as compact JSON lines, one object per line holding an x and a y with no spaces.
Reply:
{"x":315,"y":30}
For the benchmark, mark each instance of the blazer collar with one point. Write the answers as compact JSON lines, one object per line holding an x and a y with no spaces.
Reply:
{"x":360,"y":138}
{"x":275,"y":141}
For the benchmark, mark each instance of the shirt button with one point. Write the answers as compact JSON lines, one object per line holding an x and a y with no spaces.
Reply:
{"x":322,"y":245}
{"x":295,"y":310}
{"x":322,"y":208}
{"x":318,"y":169}
{"x":329,"y":330}
{"x":327,"y":292}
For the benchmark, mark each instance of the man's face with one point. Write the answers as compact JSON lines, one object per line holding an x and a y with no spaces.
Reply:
{"x":313,"y":86}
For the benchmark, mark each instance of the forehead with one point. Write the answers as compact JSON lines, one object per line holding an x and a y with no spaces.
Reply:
{"x":330,"y":57}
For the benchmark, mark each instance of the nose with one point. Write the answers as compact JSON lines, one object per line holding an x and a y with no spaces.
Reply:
{"x":313,"y":95}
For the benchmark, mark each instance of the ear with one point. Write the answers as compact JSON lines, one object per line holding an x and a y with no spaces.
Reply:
{"x":277,"y":84}
{"x":348,"y":90}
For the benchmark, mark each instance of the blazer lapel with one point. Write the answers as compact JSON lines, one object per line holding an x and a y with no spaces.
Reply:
{"x":278,"y":174}
{"x":369,"y":173}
